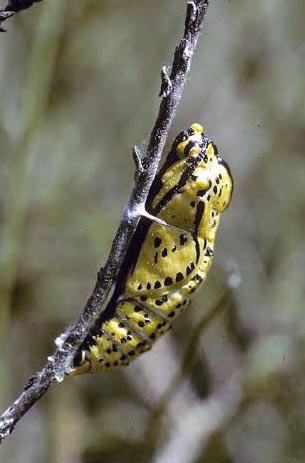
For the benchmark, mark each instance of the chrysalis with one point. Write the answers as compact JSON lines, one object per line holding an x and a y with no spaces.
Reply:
{"x":167,"y":262}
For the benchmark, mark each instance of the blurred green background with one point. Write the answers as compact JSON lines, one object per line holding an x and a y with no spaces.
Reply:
{"x":79,"y":83}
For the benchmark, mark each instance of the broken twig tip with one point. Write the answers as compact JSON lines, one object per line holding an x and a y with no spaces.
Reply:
{"x":190,"y":13}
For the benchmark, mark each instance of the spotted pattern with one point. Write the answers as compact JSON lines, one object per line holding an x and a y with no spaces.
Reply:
{"x":165,"y":264}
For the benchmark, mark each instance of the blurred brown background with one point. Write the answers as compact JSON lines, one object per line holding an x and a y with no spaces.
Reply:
{"x":79,"y":83}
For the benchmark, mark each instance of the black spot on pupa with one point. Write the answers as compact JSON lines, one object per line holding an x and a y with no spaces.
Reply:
{"x":157,"y":242}
{"x":171,"y":314}
{"x":193,"y":204}
{"x":143,"y":298}
{"x":215,"y":189}
{"x":208,"y":197}
{"x":164,"y":298}
{"x":157,"y":285}
{"x":217,"y":180}
{"x":123,"y":340}
{"x":201,"y":192}
{"x":158,"y":302}
{"x":107,"y":364}
{"x":164,"y":252}
{"x":188,"y":270}
{"x":137,"y":308}
{"x":152,"y":336}
{"x":156,"y":257}
{"x":115,"y":364}
{"x":139,"y":287}
{"x":168,"y":281}
{"x":121,"y":325}
{"x":183,"y":239}
{"x":140,"y":324}
{"x":108,"y":351}
{"x":194,"y":177}
{"x":179,"y":277}
{"x":131,"y":353}
{"x":148,"y":286}
{"x":174,"y":248}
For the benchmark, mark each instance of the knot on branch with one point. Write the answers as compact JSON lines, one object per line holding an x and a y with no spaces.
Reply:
{"x":166,"y":83}
{"x":30,"y":382}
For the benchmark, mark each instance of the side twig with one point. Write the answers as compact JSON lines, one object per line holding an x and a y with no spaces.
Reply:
{"x":69,"y":341}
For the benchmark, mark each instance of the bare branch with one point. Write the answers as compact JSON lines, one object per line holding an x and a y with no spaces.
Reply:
{"x":69,"y":341}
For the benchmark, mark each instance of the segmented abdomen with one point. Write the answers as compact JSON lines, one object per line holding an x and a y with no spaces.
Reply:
{"x":138,"y":320}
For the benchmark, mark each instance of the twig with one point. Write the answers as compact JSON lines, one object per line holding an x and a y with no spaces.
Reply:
{"x":13,"y":7}
{"x":69,"y":341}
{"x":166,"y":85}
